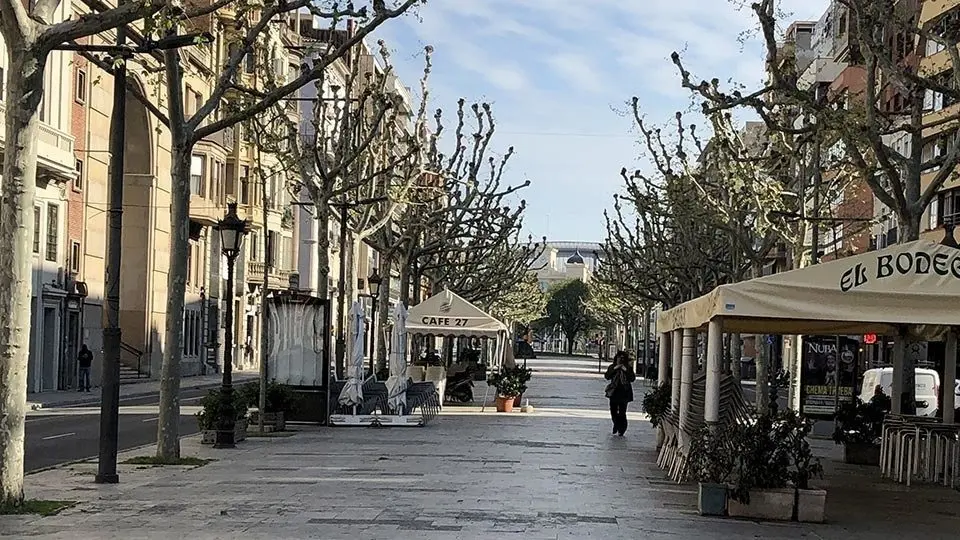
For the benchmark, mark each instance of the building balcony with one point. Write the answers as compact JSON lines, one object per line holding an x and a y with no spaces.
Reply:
{"x":932,"y":10}
{"x":206,"y":211}
{"x":54,"y":150}
{"x":223,"y":138}
{"x":937,"y":116}
{"x":935,"y":63}
{"x":256,"y":270}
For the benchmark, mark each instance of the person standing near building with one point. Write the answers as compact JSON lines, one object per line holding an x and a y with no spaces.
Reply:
{"x":84,"y":363}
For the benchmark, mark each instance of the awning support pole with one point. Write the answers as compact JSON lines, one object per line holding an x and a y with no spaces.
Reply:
{"x":711,"y":409}
{"x":664,"y":358}
{"x":896,"y":391}
{"x":950,"y":377}
{"x":676,"y":350}
{"x":686,"y":377}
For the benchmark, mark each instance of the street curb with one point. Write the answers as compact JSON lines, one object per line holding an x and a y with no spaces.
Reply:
{"x":37,"y":406}
{"x":94,"y":457}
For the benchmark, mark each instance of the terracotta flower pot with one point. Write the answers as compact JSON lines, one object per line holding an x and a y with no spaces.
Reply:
{"x":505,"y":404}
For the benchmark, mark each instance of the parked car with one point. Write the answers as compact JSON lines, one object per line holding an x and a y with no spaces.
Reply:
{"x":927,"y":383}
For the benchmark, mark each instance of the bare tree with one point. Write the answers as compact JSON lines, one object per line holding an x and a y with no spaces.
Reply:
{"x":30,"y":33}
{"x":245,"y":103}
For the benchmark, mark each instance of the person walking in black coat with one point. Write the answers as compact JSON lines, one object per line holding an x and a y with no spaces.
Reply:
{"x":620,"y":390}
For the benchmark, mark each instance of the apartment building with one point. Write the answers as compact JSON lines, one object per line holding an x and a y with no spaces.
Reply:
{"x":360,"y":258}
{"x":71,"y":215}
{"x":51,"y":329}
{"x":940,"y":17}
{"x":833,"y":69}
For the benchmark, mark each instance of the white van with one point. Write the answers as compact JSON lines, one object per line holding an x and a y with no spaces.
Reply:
{"x":927,"y":385}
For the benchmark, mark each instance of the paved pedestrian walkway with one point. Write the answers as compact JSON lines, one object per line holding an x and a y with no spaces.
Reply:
{"x":140,"y":388}
{"x":556,"y":473}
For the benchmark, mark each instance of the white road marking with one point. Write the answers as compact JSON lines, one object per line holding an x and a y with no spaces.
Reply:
{"x":58,"y":436}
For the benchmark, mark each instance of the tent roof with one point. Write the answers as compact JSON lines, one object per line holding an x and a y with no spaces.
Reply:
{"x":448,"y":314}
{"x":917,"y":283}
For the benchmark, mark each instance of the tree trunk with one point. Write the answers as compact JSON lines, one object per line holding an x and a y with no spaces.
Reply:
{"x":17,"y":193}
{"x":910,"y":228}
{"x":168,"y":425}
{"x":405,"y":281}
{"x":323,"y":248}
{"x":264,"y":291}
{"x":736,"y":352}
{"x":570,"y":340}
{"x":763,"y":386}
{"x":385,"y":270}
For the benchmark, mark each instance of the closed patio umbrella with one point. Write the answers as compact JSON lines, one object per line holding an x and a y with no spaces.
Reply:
{"x":397,"y":383}
{"x":352,"y":393}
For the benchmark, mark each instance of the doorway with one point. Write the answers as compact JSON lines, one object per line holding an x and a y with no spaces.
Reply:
{"x":50,"y":350}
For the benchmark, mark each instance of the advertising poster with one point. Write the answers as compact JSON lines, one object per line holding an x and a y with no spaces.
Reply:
{"x":829,"y":374}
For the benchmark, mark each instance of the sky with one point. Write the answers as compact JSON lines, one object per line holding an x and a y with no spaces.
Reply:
{"x":559,"y":76}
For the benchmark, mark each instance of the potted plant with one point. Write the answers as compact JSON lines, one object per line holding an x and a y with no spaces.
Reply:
{"x":508,"y":386}
{"x":656,"y":405}
{"x":859,"y":428}
{"x":281,"y":403}
{"x":809,"y":505}
{"x":773,"y":471}
{"x":713,"y":454}
{"x":209,"y":415}
{"x":524,"y":375}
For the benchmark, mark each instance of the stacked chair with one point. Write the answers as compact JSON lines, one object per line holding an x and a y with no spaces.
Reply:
{"x":919,"y":448}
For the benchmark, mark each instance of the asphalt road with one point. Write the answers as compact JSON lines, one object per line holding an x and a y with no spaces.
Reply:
{"x":56,"y":436}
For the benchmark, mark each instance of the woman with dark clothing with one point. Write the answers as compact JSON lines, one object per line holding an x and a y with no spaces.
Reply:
{"x":620,"y":390}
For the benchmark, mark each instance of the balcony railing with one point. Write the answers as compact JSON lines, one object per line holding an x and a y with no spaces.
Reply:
{"x":256,"y":269}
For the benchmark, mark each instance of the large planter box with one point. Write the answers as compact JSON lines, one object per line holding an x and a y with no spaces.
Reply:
{"x":777,"y":505}
{"x":812,"y":507}
{"x":767,"y":504}
{"x":712,"y":499}
{"x":271,"y":421}
{"x":861,"y":454}
{"x":209,"y":436}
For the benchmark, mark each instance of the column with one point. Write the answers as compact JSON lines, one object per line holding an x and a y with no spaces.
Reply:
{"x":664,"y":358}
{"x":676,"y":351}
{"x":711,"y":410}
{"x":896,"y":392}
{"x":950,"y":377}
{"x":686,"y":376}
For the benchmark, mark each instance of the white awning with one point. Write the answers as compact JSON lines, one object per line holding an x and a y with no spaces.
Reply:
{"x":915,"y":284}
{"x":448,"y":314}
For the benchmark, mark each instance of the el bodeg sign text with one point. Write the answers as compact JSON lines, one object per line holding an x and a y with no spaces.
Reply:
{"x":901,"y":264}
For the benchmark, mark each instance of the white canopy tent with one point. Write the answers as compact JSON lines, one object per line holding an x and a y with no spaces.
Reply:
{"x":448,"y":314}
{"x":913,"y":287}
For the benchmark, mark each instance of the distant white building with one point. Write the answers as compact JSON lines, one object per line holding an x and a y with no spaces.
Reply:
{"x":563,"y":261}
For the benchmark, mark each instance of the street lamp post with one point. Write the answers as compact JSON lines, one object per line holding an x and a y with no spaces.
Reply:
{"x":374,"y":280}
{"x":232,"y":230}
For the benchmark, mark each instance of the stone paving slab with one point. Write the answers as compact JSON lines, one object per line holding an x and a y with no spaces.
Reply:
{"x":557,"y":473}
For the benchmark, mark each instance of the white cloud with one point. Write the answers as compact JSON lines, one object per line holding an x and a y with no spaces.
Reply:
{"x":568,"y":140}
{"x":578,"y":70}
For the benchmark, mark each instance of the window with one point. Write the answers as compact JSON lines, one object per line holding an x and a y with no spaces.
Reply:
{"x":3,"y":84}
{"x":36,"y":229}
{"x":251,"y":61}
{"x":244,"y":184}
{"x":75,"y":257}
{"x":190,"y":264}
{"x":254,"y":247}
{"x":78,"y":181}
{"x":948,"y":205}
{"x":53,"y":231}
{"x":80,"y":92}
{"x":197,"y":101}
{"x":197,"y":173}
